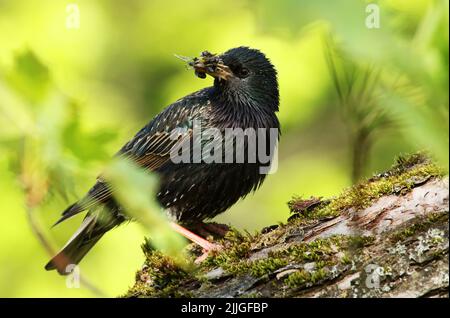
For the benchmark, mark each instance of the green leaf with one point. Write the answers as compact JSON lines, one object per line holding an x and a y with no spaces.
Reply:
{"x":134,"y":188}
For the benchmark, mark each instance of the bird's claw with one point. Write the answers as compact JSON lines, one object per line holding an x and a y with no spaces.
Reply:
{"x":206,"y":252}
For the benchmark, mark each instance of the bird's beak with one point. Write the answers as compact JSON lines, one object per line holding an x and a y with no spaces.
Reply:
{"x":212,"y":67}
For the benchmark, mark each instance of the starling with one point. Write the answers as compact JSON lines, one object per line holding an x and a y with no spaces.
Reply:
{"x":244,"y":95}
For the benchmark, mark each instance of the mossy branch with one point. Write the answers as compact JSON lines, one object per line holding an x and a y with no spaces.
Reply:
{"x":384,"y":237}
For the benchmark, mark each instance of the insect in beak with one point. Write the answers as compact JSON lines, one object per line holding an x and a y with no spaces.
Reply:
{"x":210,"y":64}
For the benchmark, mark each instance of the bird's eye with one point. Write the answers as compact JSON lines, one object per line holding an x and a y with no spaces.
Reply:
{"x":243,"y":72}
{"x":239,"y":70}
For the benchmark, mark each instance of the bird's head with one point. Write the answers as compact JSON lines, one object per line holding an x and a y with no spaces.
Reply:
{"x":242,"y":74}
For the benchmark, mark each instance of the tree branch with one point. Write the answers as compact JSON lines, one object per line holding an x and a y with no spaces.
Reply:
{"x":384,"y":237}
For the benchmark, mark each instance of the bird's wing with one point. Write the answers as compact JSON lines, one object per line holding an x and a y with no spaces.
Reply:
{"x":150,"y":148}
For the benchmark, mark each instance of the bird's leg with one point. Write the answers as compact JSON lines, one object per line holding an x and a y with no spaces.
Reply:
{"x":205,"y":244}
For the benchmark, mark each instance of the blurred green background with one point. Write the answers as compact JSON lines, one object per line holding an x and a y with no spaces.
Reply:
{"x":76,"y":82}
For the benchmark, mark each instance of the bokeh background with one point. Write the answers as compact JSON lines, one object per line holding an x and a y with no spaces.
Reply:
{"x":76,"y":82}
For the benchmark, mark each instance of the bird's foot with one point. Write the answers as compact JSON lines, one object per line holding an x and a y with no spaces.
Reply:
{"x":210,"y":230}
{"x":206,"y":245}
{"x":201,"y":258}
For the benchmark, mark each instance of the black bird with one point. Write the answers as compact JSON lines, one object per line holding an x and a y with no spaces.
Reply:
{"x":244,"y":95}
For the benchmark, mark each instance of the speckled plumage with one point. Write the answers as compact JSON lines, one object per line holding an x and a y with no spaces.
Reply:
{"x":192,"y":192}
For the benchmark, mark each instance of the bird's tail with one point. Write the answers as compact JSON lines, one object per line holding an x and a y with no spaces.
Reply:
{"x":81,"y":242}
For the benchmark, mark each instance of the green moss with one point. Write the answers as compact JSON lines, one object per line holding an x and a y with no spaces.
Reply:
{"x":257,"y":268}
{"x":235,"y":260}
{"x":402,"y":177}
{"x":303,"y":277}
{"x":420,"y":225}
{"x":237,"y":249}
{"x":322,"y":251}
{"x":298,"y":278}
{"x":312,"y":251}
{"x":318,"y":275}
{"x":266,"y":266}
{"x":356,"y":242}
{"x":159,"y":276}
{"x":346,"y":259}
{"x":407,"y":161}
